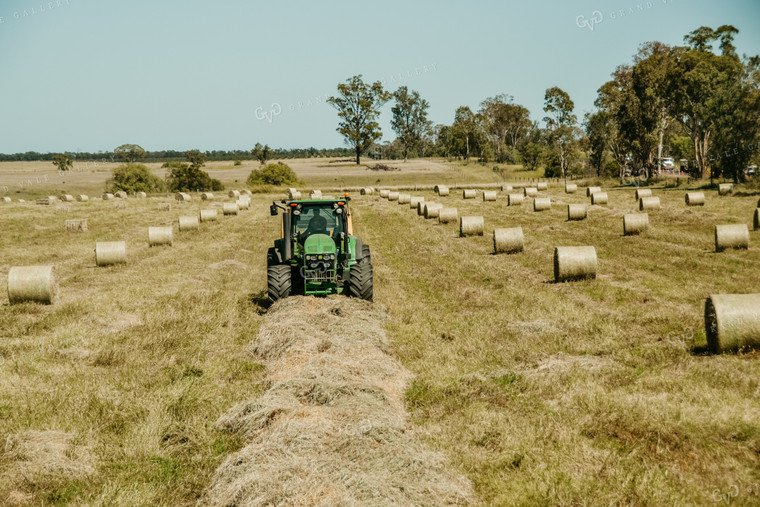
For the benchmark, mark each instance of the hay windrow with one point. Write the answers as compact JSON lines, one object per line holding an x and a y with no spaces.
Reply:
{"x":332,"y":429}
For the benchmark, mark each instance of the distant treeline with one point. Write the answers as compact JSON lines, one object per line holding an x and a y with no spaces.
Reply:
{"x":174,"y":155}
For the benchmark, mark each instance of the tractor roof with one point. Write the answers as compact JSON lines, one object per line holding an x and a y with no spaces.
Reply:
{"x":317,"y":201}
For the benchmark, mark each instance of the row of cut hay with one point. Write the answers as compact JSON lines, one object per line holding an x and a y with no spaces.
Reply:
{"x":332,"y":427}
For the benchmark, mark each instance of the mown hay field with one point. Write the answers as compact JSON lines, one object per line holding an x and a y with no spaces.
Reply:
{"x":592,"y":392}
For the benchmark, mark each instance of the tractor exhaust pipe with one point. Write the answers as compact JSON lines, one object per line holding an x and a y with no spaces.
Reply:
{"x":286,"y":235}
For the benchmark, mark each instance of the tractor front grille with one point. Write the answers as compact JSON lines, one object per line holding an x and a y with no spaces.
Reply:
{"x":319,"y":275}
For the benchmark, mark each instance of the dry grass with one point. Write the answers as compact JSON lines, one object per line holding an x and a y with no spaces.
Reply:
{"x":595,"y":392}
{"x":332,"y":428}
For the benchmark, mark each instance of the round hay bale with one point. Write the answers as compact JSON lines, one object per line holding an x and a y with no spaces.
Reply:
{"x":574,"y":263}
{"x":158,"y":236}
{"x":365,"y":191}
{"x":471,"y":226}
{"x":635,"y":223}
{"x":542,"y":204}
{"x":506,"y":188}
{"x":530,"y":191}
{"x":732,"y":322}
{"x":20,"y":200}
{"x":695,"y":198}
{"x":515,"y":199}
{"x":82,"y":198}
{"x":384,"y":193}
{"x":756,"y":220}
{"x":234,"y":193}
{"x":404,"y":198}
{"x":188,"y":223}
{"x":182,"y":197}
{"x":230,"y":208}
{"x":243,"y":203}
{"x":121,"y":195}
{"x":292,"y":190}
{"x":542,"y":185}
{"x":393,"y":196}
{"x":247,"y":192}
{"x":207,"y":196}
{"x":725,"y":188}
{"x":208,"y":215}
{"x":599,"y":198}
{"x":6,"y":199}
{"x":415,"y":201}
{"x":432,"y":209}
{"x":140,"y":195}
{"x":571,"y":188}
{"x":67,"y":198}
{"x":295,"y":196}
{"x":577,"y":211}
{"x":731,"y":236}
{"x":315,"y":194}
{"x":490,"y":195}
{"x":32,"y":284}
{"x":108,"y":253}
{"x":76,"y":225}
{"x":447,"y":215}
{"x":649,"y":203}
{"x":642,"y":192}
{"x":469,"y":193}
{"x":508,"y":240}
{"x":107,"y":196}
{"x":442,"y":190}
{"x":165,"y":206}
{"x":591,"y":190}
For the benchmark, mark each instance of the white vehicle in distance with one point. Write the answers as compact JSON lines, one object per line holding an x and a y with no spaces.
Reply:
{"x":667,"y":163}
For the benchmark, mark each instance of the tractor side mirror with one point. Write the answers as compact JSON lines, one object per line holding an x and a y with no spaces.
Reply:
{"x":273,"y":210}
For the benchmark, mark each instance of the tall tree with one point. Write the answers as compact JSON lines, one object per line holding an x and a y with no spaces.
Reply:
{"x":261,"y":153}
{"x":63,"y":161}
{"x":129,"y":153}
{"x":358,"y":105}
{"x":560,"y":123}
{"x":409,"y":118}
{"x":702,"y":87}
{"x":598,"y":131}
{"x":196,"y":159}
{"x":506,"y":123}
{"x":465,"y":127}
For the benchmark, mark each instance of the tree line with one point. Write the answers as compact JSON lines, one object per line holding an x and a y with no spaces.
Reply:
{"x":176,"y":155}
{"x":699,"y":103}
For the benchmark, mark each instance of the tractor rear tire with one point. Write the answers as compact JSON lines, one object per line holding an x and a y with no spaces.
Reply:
{"x":279,"y":281}
{"x":360,"y":277}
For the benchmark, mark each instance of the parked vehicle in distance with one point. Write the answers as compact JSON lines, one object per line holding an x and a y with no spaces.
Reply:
{"x":667,"y":163}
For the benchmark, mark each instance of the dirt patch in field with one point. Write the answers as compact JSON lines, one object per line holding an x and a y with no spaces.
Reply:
{"x":332,"y":429}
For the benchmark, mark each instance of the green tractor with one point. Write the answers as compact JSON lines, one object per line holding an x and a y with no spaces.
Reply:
{"x":317,"y":253}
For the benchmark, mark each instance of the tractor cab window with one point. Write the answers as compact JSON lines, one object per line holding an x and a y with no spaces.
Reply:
{"x":317,"y":220}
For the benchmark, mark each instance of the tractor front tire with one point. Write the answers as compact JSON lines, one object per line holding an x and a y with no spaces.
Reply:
{"x":360,"y":277}
{"x":279,"y":281}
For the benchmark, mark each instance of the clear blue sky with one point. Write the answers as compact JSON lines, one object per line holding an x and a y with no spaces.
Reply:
{"x":93,"y":74}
